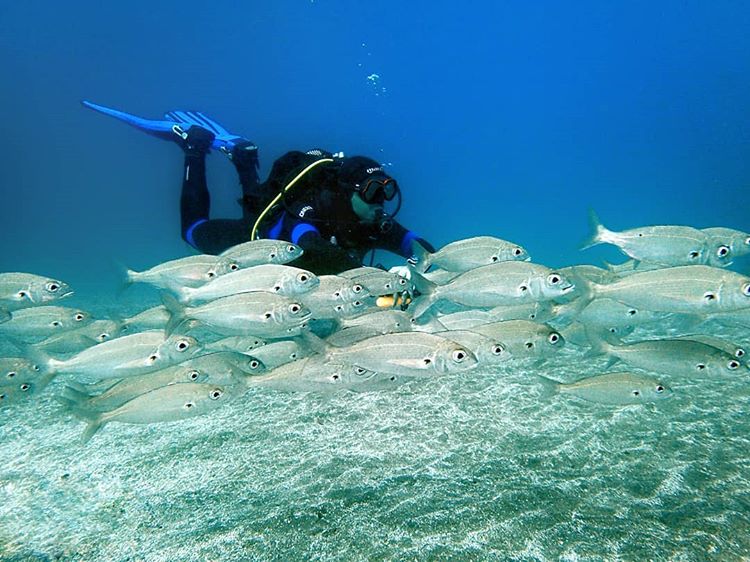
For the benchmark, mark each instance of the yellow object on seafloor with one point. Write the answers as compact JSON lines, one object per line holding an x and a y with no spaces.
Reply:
{"x":389,"y":302}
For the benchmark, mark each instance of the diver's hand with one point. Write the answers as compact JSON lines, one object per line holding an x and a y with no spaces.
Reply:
{"x":402,"y":271}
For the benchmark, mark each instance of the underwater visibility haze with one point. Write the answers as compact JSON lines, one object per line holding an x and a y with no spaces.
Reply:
{"x":516,"y":410}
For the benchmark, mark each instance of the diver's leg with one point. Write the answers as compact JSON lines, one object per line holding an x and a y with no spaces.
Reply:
{"x":195,"y":201}
{"x":244,"y":156}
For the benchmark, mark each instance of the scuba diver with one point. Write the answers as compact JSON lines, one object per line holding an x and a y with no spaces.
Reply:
{"x":332,"y":206}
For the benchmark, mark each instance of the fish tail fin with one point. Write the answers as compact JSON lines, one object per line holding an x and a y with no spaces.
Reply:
{"x":176,"y":313}
{"x":315,"y":343}
{"x":422,"y":256}
{"x":549,"y":387}
{"x":598,"y":229}
{"x":94,"y":420}
{"x":428,"y":295}
{"x":601,"y":343}
{"x":126,"y":275}
{"x":74,"y":395}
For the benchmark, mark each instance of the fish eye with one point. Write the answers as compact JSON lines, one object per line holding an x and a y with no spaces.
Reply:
{"x":234,"y":267}
{"x":497,"y":349}
{"x":426,"y":361}
{"x":294,"y":308}
{"x":22,"y":294}
{"x":632,"y":312}
{"x":554,"y":337}
{"x":272,"y":255}
{"x":529,"y":345}
{"x":79,"y":316}
{"x":153,"y":358}
{"x":692,"y":255}
{"x":103,"y":336}
{"x":35,"y":367}
{"x":335,"y":377}
{"x":254,"y":364}
{"x":189,"y":405}
{"x":360,"y":370}
{"x":25,"y":386}
{"x":553,"y":279}
{"x":700,"y":366}
{"x":291,"y":249}
{"x":392,"y":379}
{"x":746,"y":289}
{"x":523,"y":288}
{"x":722,"y":251}
{"x":267,"y":315}
{"x":458,"y":355}
{"x":11,"y":374}
{"x":494,"y":259}
{"x":2,"y":396}
{"x":747,"y":241}
{"x":401,"y":281}
{"x":193,"y":375}
{"x":52,"y":287}
{"x":517,"y":251}
{"x":709,"y":296}
{"x":739,"y":352}
{"x":659,"y":389}
{"x":215,"y":394}
{"x":357,"y":289}
{"x":733,"y":365}
{"x":182,"y":345}
{"x":636,"y":393}
{"x":56,"y":324}
{"x":303,"y":277}
{"x":211,"y":274}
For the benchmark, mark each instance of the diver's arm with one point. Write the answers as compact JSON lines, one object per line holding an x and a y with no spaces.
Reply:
{"x":398,"y":240}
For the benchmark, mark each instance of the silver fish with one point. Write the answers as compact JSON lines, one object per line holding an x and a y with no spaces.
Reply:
{"x":280,"y":353}
{"x":280,"y":279}
{"x":257,"y":252}
{"x":726,"y":346}
{"x":502,"y":283}
{"x":74,"y":341}
{"x":18,"y":370}
{"x":192,"y":271}
{"x":666,"y":245}
{"x":604,"y":313}
{"x":414,"y":354}
{"x":22,"y":290}
{"x":223,"y":368}
{"x":15,"y":393}
{"x":240,"y":344}
{"x":674,"y":357}
{"x":523,"y":338}
{"x":313,"y":374}
{"x":261,"y":314}
{"x":737,"y":240}
{"x":469,"y":253}
{"x":125,"y":356}
{"x":621,"y":388}
{"x":688,"y":289}
{"x":174,"y":402}
{"x":488,"y":350}
{"x":40,"y":322}
{"x":154,"y":318}
{"x":378,"y":282}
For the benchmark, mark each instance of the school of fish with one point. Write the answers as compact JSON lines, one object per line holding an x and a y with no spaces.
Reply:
{"x":247,"y":318}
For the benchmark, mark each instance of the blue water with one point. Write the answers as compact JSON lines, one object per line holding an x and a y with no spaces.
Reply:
{"x":507,"y":119}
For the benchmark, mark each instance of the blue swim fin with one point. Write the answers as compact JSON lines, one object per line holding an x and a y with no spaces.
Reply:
{"x":175,"y":123}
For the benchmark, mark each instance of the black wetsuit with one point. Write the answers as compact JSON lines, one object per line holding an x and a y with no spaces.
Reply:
{"x":315,"y":213}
